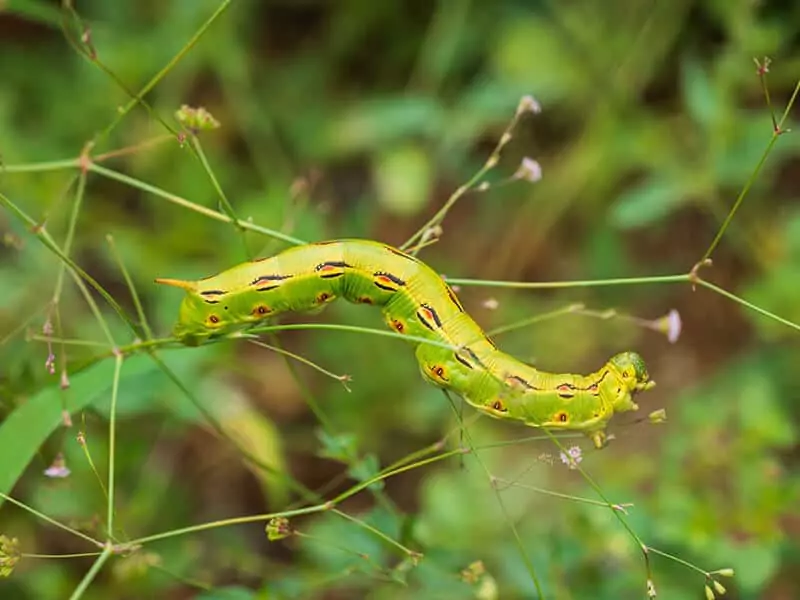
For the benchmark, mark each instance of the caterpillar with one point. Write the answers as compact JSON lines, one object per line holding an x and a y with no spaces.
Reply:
{"x":416,"y":302}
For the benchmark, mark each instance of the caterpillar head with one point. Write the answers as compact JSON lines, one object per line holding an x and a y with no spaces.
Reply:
{"x":632,"y":377}
{"x":197,"y":320}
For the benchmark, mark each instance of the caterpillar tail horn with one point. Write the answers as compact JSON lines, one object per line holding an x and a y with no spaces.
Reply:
{"x":189,"y":286}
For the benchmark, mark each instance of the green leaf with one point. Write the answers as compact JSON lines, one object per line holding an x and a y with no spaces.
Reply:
{"x":366,"y":469}
{"x":337,"y":447}
{"x":27,"y":428}
{"x":699,"y":94}
{"x":647,"y":203}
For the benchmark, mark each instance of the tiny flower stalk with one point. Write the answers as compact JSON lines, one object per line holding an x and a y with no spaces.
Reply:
{"x":278,"y":529}
{"x":670,"y":325}
{"x":196,"y":119}
{"x":9,"y":555}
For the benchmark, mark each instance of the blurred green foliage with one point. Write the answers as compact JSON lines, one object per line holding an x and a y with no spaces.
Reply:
{"x":357,"y":119}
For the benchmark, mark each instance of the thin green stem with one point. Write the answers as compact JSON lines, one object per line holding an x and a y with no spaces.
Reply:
{"x":305,"y":391}
{"x":789,"y":105}
{"x":88,"y":454}
{"x":164,"y":70}
{"x":213,"y":214}
{"x":56,"y":556}
{"x":517,"y":538}
{"x":308,"y":510}
{"x":343,"y":379}
{"x":352,"y":329}
{"x":547,"y":492}
{"x":572,"y":308}
{"x":40,"y":167}
{"x":748,"y":184}
{"x":220,"y":430}
{"x":23,"y":324}
{"x":73,"y":221}
{"x":746,"y":304}
{"x":112,"y":445}
{"x":617,"y":513}
{"x":50,"y":520}
{"x":549,"y":285}
{"x":679,"y":561}
{"x":776,"y":133}
{"x":378,"y":533}
{"x":327,"y":425}
{"x":425,"y":232}
{"x":48,"y":242}
{"x":225,"y":204}
{"x":137,"y":303}
{"x":92,"y":573}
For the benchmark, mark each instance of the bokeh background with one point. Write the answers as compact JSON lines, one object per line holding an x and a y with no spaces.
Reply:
{"x":358,"y":119}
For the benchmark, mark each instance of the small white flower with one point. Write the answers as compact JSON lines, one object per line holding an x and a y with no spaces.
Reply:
{"x":529,"y":104}
{"x":491,"y":303}
{"x":59,"y":469}
{"x":572,"y":457}
{"x":674,"y":326}
{"x":529,"y":170}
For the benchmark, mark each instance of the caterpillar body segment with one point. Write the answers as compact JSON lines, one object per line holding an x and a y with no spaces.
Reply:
{"x":417,"y":302}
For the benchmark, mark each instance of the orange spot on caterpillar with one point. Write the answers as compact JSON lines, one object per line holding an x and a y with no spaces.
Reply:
{"x":430,"y":314}
{"x":398,"y":325}
{"x":364,"y":300}
{"x":565,"y":390}
{"x":261,"y":310}
{"x":387,"y":281}
{"x":517,"y":381}
{"x":213,"y":319}
{"x":438,"y":371}
{"x":331,"y":269}
{"x":561,"y":417}
{"x":323,"y":297}
{"x":497,"y":405}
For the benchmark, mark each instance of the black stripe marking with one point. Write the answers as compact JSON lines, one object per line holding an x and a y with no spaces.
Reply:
{"x":475,"y":357}
{"x":385,"y":287}
{"x":330,"y":275}
{"x":435,"y":316}
{"x":521,"y":381}
{"x":402,"y":254}
{"x":339,"y":264}
{"x":211,"y":301}
{"x":462,"y":361}
{"x":258,"y":280}
{"x":423,"y":321}
{"x":565,"y":390}
{"x":453,"y":298}
{"x":267,"y":288}
{"x":213,"y":293}
{"x":390,"y":277}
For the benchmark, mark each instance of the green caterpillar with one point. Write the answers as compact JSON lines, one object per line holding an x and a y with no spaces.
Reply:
{"x":416,"y":302}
